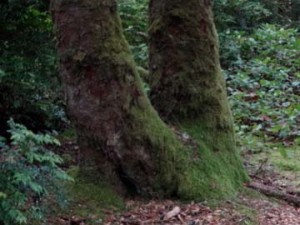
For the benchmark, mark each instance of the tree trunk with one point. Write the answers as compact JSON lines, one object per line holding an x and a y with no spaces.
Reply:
{"x":186,"y":80}
{"x":188,"y":87}
{"x":120,"y":135}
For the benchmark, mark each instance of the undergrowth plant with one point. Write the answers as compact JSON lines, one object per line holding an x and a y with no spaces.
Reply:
{"x":134,"y":21}
{"x":263,"y":82}
{"x":29,"y":89}
{"x":30,"y":175}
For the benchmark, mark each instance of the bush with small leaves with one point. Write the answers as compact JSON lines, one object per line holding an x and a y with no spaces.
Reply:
{"x":29,"y":175}
{"x":263,"y":81}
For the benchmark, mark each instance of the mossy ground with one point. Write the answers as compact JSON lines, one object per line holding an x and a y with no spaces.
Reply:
{"x":212,"y":175}
{"x":89,"y":199}
{"x":93,"y":191}
{"x":287,"y":159}
{"x":279,"y":159}
{"x":211,"y":179}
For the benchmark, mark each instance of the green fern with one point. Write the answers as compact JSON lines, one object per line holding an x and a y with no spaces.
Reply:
{"x":28,"y":171}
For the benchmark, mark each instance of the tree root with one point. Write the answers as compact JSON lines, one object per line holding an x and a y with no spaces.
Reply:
{"x":272,"y":192}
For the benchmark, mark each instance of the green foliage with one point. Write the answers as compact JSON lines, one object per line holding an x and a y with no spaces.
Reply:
{"x":248,"y":15}
{"x":29,"y":175}
{"x":28,"y":84}
{"x":134,"y":21}
{"x":285,"y":13}
{"x":239,"y":14}
{"x":263,"y":78}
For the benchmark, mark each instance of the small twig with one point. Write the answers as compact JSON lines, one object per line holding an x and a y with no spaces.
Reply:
{"x":260,"y":168}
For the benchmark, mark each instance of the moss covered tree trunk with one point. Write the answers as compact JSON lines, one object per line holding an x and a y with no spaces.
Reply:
{"x":121,"y":137}
{"x":186,"y":81}
{"x":187,"y":85}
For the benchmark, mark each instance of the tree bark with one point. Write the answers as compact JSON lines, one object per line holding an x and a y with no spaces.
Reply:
{"x":187,"y":85}
{"x":121,"y":136}
{"x":186,"y":79}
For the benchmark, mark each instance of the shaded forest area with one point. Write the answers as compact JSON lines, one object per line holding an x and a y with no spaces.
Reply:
{"x":50,"y":172}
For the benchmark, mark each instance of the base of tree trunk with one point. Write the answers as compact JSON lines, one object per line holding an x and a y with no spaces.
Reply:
{"x":122,"y":139}
{"x":215,"y":169}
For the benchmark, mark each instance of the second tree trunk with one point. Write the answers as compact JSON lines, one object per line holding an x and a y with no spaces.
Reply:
{"x":188,"y":87}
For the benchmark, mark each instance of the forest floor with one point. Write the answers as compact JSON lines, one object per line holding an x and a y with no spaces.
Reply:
{"x":274,"y":169}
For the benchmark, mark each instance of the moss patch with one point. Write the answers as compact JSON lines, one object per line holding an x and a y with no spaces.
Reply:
{"x":89,"y":198}
{"x":168,"y":152}
{"x":280,"y":162}
{"x":249,"y":214}
{"x":218,"y":173}
{"x":68,"y":134}
{"x":185,"y":79}
{"x":187,"y":84}
{"x":287,"y":159}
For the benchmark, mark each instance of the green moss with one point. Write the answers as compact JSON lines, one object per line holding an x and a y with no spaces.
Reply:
{"x":218,"y":173}
{"x":252,"y":194}
{"x":186,"y":80}
{"x":143,"y":73}
{"x":88,"y":198}
{"x":68,"y":134}
{"x":289,"y":166}
{"x":167,"y":151}
{"x":286,"y":159}
{"x":281,"y":160}
{"x":249,"y":214}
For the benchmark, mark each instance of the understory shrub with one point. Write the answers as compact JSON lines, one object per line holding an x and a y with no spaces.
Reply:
{"x":134,"y":14}
{"x":29,"y":89}
{"x":30,"y":176}
{"x":263,"y":79}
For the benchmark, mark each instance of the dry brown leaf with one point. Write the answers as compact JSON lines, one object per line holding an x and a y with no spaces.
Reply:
{"x":175,"y":211}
